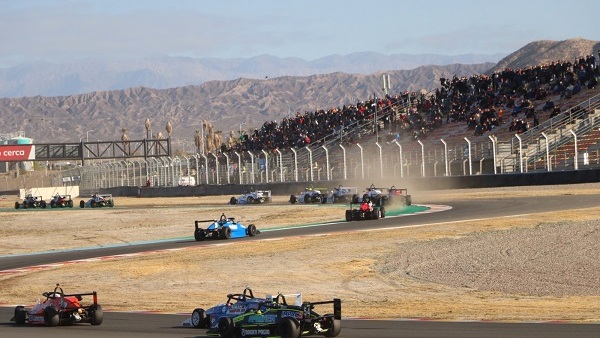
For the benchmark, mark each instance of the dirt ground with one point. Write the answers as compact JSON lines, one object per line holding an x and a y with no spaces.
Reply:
{"x":364,"y":269}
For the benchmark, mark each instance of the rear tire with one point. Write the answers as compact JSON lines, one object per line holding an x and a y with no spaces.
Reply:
{"x":96,"y":314}
{"x":293,"y":199}
{"x":43,"y":204}
{"x":111,"y":203}
{"x":20,"y":315}
{"x":408,"y":200}
{"x":226,"y":233}
{"x":375,"y":214}
{"x":233,"y":201}
{"x":336,"y":328}
{"x":51,"y":317}
{"x":348,"y":215}
{"x":382,"y":212}
{"x":52,"y":204}
{"x":16,"y":205}
{"x":225,"y":327}
{"x":289,"y":328}
{"x":250,"y":200}
{"x":354,"y":199}
{"x":70,"y":204}
{"x":199,"y":234}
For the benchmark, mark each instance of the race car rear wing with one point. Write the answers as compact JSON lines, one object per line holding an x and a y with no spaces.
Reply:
{"x":337,"y":307}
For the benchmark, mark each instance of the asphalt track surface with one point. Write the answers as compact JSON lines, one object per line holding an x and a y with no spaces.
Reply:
{"x":118,"y":324}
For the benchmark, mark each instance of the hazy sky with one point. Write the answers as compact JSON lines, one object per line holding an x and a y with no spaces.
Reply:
{"x":57,"y":30}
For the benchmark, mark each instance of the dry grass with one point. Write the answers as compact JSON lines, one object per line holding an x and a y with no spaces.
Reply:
{"x":347,"y":265}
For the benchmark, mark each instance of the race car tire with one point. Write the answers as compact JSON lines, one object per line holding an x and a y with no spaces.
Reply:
{"x":199,"y":234}
{"x":233,"y":201}
{"x":225,"y":327}
{"x":25,"y":205}
{"x":408,"y":200}
{"x":226,"y":233}
{"x":348,"y":215}
{"x":96,"y":314}
{"x":323,"y":199}
{"x":375,"y":214}
{"x":336,"y":328}
{"x":382,"y":212}
{"x":93,"y":204}
{"x":16,"y":205}
{"x":81,"y":204}
{"x":43,"y":204}
{"x":199,"y":319}
{"x":52,"y":204}
{"x":20,"y":315}
{"x":289,"y":328}
{"x":306,"y":198}
{"x":354,"y":198}
{"x":51,"y":317}
{"x":70,"y":203}
{"x":111,"y":203}
{"x":251,"y":230}
{"x":250,"y":200}
{"x":293,"y":199}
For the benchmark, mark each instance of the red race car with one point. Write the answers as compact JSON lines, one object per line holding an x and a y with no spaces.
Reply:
{"x":60,"y":309}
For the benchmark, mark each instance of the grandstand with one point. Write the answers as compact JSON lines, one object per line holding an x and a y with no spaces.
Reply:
{"x":510,"y":121}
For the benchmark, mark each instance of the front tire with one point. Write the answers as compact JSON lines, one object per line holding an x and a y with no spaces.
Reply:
{"x":250,"y":200}
{"x":20,"y":315}
{"x":293,"y":199}
{"x":81,"y":204}
{"x":16,"y":205}
{"x":251,"y":230}
{"x":233,"y":201}
{"x":52,"y":204}
{"x":51,"y":317}
{"x":96,"y":314}
{"x":199,"y":319}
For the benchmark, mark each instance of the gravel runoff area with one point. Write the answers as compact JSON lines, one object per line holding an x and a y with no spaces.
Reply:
{"x":537,"y":267}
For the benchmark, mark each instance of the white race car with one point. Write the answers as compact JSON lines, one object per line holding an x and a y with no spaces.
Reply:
{"x":252,"y":197}
{"x":309,"y":195}
{"x":342,"y":194}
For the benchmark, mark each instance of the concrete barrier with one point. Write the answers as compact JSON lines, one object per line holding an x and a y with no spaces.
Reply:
{"x":428,"y":183}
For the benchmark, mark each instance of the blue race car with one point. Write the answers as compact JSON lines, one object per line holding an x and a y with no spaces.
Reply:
{"x":224,"y":228}
{"x":246,"y":316}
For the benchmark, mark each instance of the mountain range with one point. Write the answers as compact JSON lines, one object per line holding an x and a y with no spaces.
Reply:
{"x":244,"y":102}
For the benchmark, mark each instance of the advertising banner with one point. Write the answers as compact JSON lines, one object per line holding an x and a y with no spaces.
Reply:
{"x":17,"y":152}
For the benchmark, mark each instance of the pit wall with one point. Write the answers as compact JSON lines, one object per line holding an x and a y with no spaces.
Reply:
{"x":48,"y":192}
{"x":417,"y":184}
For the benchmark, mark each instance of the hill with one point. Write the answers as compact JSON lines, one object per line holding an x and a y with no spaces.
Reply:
{"x":227,"y":104}
{"x":241,"y":103}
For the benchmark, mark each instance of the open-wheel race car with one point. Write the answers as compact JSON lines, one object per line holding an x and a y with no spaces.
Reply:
{"x":243,"y":315}
{"x":341,"y":194}
{"x":309,"y":195}
{"x":252,"y":197}
{"x":98,"y":201}
{"x":366,"y":209}
{"x":223,"y":228}
{"x":61,"y":201}
{"x":384,"y":196}
{"x":60,"y":309}
{"x":31,"y":201}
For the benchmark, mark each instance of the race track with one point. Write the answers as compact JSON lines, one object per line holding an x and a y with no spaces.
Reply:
{"x":155,"y":325}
